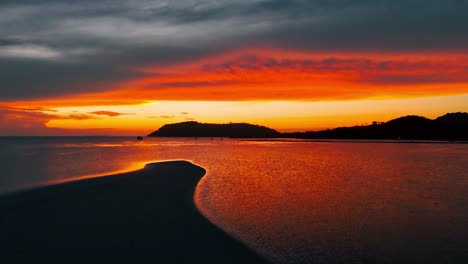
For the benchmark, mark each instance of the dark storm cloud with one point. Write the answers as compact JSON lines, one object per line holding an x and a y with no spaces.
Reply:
{"x":52,"y":47}
{"x":28,"y":78}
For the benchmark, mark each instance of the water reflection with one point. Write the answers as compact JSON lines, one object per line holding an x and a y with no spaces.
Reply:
{"x":343,"y":203}
{"x":296,"y":202}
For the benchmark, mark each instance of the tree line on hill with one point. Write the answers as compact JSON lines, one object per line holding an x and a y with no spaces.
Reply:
{"x":451,"y":126}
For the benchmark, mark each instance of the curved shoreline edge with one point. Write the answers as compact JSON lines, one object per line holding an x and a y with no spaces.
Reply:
{"x":143,"y":215}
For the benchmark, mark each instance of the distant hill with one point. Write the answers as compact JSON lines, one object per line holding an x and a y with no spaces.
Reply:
{"x":196,"y":129}
{"x":452,"y":126}
{"x":454,"y":119}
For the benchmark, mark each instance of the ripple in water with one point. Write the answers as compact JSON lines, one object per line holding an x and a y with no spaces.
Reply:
{"x":295,"y":202}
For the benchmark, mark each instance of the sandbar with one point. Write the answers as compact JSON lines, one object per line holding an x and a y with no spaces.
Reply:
{"x":141,"y":216}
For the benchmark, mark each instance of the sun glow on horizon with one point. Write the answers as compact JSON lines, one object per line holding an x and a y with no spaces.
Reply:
{"x":281,"y":115}
{"x":283,"y":89}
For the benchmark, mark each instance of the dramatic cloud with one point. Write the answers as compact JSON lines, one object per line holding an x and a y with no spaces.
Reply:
{"x":57,"y":48}
{"x":108,"y":113}
{"x":29,"y":52}
{"x":24,"y":121}
{"x":40,"y":114}
{"x":36,"y":121}
{"x":279,"y":74}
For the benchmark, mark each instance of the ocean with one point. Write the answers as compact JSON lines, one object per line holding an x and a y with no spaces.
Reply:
{"x":291,"y":201}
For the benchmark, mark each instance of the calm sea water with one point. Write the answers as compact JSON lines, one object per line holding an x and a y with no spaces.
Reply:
{"x":294,"y":202}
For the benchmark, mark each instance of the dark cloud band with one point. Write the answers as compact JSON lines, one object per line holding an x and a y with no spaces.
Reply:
{"x":52,"y":47}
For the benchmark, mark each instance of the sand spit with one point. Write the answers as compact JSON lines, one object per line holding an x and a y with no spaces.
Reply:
{"x":141,"y":216}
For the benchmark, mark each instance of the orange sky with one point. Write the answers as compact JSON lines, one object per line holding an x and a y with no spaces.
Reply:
{"x":128,"y":67}
{"x":286,"y":90}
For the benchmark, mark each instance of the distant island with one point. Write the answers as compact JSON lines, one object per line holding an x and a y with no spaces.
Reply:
{"x":451,"y":126}
{"x":196,"y":129}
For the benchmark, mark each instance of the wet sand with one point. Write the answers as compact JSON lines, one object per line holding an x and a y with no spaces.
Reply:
{"x":142,"y":216}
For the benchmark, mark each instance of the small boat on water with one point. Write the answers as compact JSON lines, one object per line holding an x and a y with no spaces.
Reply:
{"x":139,"y":138}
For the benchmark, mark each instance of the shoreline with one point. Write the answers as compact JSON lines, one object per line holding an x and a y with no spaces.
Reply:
{"x":148,"y":214}
{"x":379,"y":141}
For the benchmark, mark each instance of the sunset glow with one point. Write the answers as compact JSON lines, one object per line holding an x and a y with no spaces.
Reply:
{"x":304,"y":85}
{"x":282,"y":115}
{"x":234,"y":131}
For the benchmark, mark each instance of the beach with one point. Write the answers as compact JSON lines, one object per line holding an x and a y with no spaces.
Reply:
{"x":140,"y":216}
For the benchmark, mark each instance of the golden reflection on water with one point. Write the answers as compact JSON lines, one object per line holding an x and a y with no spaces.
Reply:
{"x":132,"y":167}
{"x":295,"y":202}
{"x":342,"y":202}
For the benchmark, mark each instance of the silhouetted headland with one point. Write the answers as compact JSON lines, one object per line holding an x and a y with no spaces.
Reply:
{"x":196,"y":129}
{"x":451,"y":126}
{"x":141,"y":216}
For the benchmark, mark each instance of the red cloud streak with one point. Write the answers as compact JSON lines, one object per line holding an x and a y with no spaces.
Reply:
{"x":271,"y":74}
{"x":286,"y":75}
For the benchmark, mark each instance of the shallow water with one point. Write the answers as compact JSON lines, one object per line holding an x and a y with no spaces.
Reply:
{"x":295,"y":202}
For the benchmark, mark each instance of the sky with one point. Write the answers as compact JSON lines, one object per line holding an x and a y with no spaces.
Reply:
{"x":128,"y":67}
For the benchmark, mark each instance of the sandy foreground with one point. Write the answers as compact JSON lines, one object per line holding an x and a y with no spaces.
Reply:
{"x":142,"y":216}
